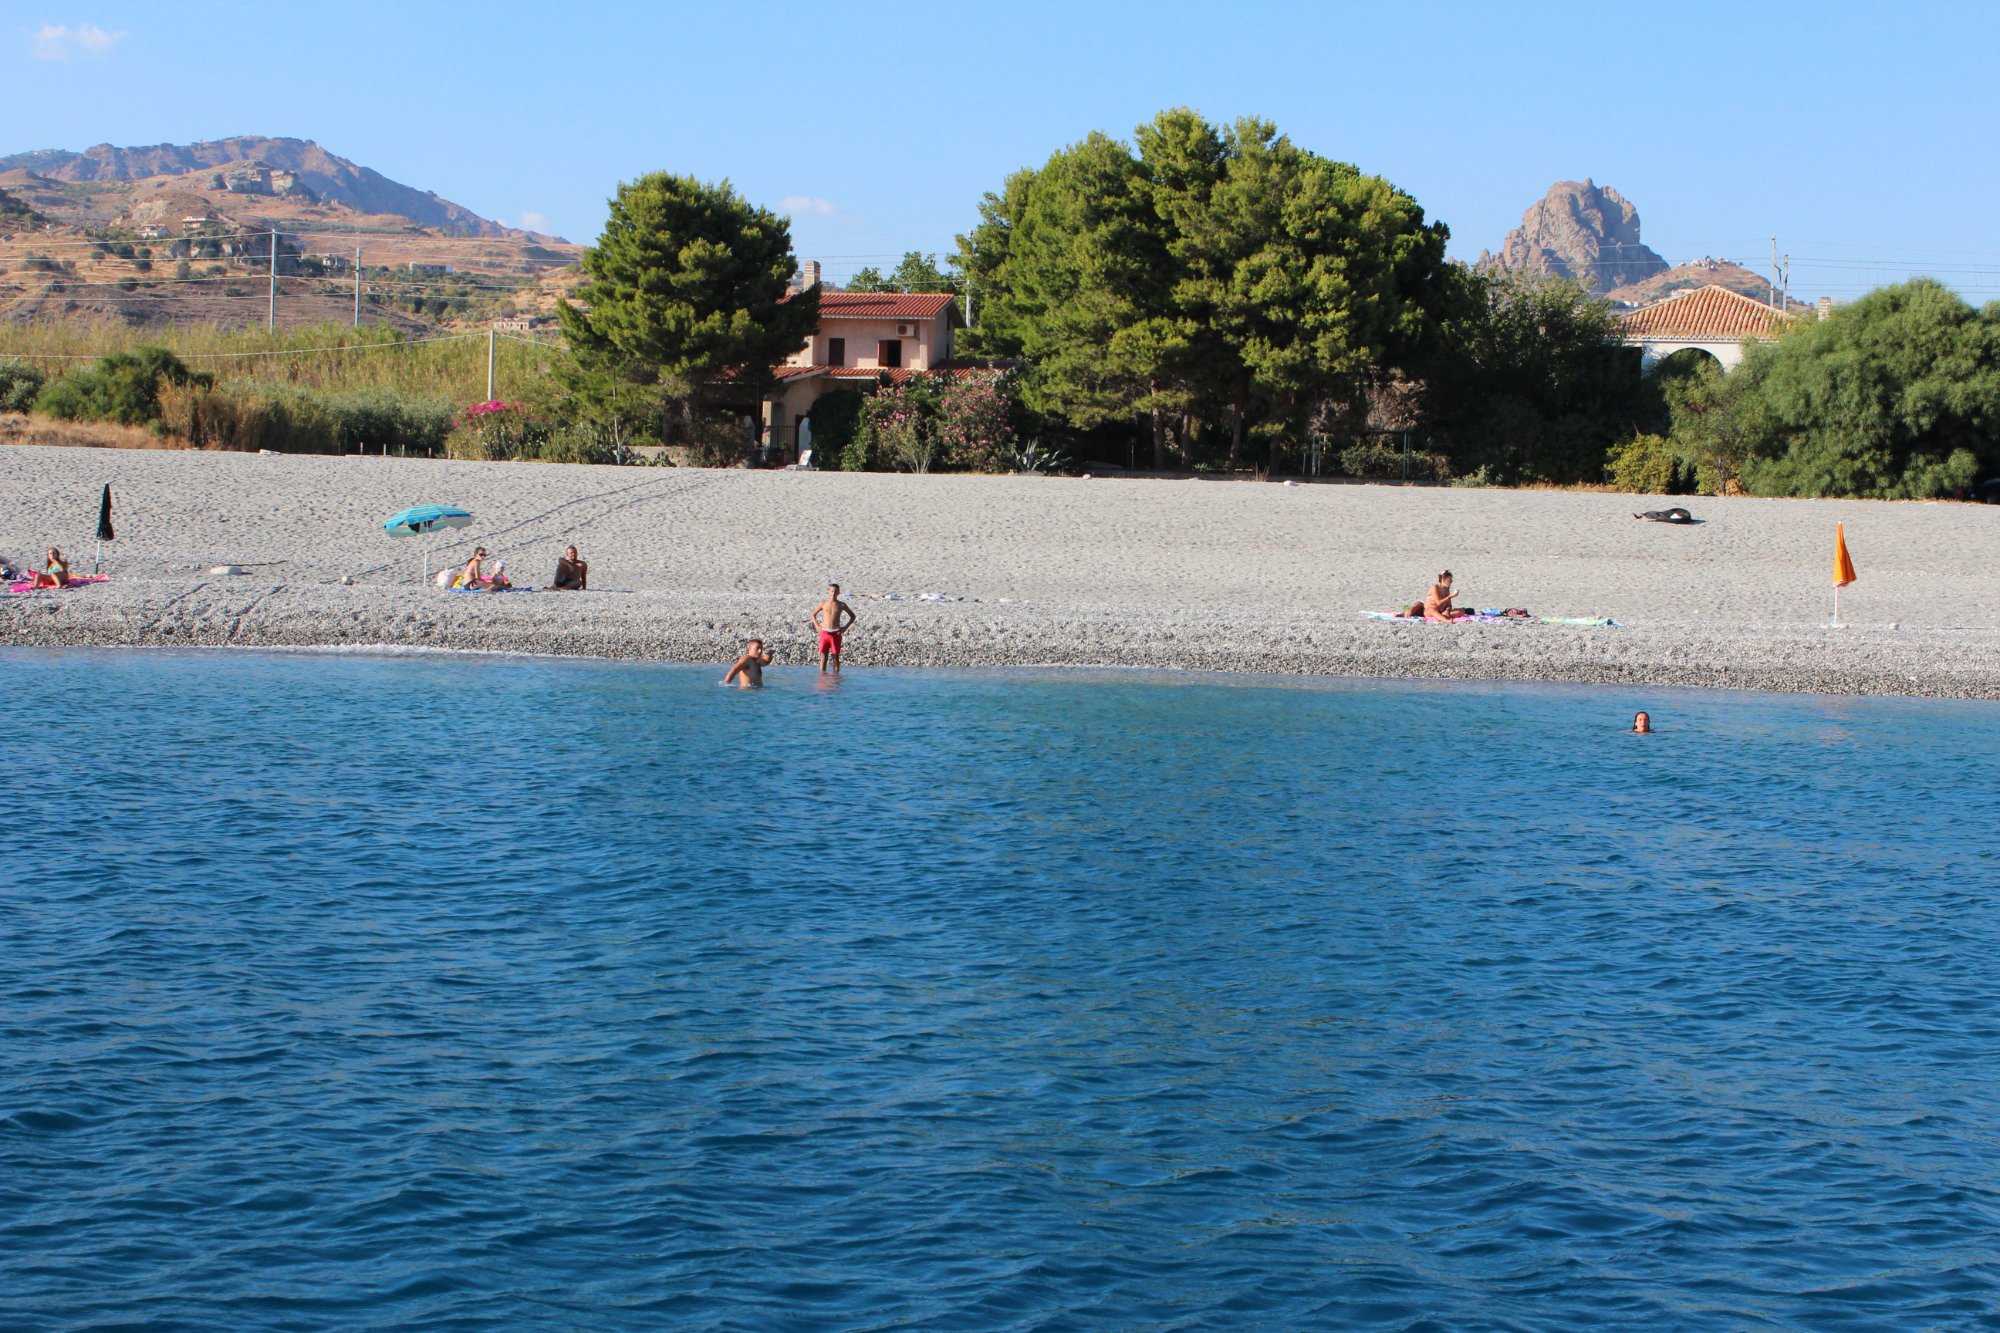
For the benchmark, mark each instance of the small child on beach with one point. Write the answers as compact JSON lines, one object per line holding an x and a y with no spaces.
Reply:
{"x":748,"y":673}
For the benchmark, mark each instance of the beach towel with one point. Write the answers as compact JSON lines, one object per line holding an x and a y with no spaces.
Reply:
{"x":487,"y":592}
{"x":1492,"y":616}
{"x":1474,"y":618}
{"x":75,"y":581}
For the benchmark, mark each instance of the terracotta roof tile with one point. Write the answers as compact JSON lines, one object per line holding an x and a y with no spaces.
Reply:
{"x":884,"y":305}
{"x":1706,"y":314}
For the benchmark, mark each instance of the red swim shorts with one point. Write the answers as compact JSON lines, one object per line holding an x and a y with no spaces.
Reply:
{"x":829,"y":641}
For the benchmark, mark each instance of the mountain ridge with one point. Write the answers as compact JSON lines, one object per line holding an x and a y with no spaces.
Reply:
{"x":313,"y":168}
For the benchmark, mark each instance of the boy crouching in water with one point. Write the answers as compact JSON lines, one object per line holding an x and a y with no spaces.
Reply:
{"x":748,"y":673}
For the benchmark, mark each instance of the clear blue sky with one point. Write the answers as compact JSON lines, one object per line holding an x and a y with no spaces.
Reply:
{"x":1856,"y":133}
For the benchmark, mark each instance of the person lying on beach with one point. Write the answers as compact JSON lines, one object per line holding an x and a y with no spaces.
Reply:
{"x":1437,"y":602}
{"x":748,"y":673}
{"x":572,"y":572}
{"x":826,"y":618}
{"x":55,"y":571}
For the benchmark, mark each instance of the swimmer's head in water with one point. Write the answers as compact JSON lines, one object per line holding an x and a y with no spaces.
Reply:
{"x":1642,"y":723}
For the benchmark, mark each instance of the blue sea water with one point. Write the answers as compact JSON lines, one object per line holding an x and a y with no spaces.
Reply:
{"x":429,"y":992}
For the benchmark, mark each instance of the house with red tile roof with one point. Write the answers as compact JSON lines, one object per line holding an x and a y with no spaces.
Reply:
{"x":862,"y":338}
{"x":1714,"y":319}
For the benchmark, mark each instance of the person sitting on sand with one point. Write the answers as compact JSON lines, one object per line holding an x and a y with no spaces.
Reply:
{"x":572,"y":572}
{"x":1437,"y":602}
{"x":470,"y":577}
{"x":497,"y":580}
{"x":55,"y":571}
{"x":826,"y":618}
{"x":748,"y":673}
{"x":1642,"y":724}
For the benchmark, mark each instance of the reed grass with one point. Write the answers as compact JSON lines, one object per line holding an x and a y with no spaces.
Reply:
{"x":324,"y":357}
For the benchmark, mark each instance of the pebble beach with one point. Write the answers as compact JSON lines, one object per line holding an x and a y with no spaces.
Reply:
{"x":949,"y":570}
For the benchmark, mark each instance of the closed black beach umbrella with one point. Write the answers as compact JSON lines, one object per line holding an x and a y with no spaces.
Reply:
{"x":104,"y":515}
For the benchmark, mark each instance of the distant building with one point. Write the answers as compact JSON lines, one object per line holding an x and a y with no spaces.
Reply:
{"x":152,"y":231}
{"x":428,"y":270}
{"x":1711,"y":319}
{"x":521,"y":323}
{"x":862,"y":338}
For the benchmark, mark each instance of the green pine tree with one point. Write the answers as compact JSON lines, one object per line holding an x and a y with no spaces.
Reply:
{"x":685,"y":301}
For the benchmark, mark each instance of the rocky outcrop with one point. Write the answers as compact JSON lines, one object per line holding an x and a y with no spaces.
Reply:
{"x":1580,"y":231}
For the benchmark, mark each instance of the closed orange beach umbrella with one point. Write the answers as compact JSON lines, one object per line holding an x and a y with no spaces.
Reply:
{"x":1843,"y":569}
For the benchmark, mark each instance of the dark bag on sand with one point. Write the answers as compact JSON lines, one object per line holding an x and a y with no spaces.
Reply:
{"x":1674,"y":515}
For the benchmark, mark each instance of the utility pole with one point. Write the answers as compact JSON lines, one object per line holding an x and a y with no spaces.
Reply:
{"x":1774,"y":273}
{"x":489,"y":364}
{"x":357,"y":286}
{"x":271,"y":316}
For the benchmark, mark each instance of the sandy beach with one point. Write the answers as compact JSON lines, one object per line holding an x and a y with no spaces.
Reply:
{"x":1207,"y":575}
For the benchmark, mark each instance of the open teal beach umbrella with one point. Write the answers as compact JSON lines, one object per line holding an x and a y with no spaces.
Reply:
{"x":422,"y":521}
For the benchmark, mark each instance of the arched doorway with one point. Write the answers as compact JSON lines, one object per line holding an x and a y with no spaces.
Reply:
{"x":1684,"y":363}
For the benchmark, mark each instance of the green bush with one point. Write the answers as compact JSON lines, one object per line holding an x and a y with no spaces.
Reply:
{"x":19,"y":383}
{"x":1649,"y":465}
{"x":575,"y":445}
{"x":1385,"y":462}
{"x":835,"y":418}
{"x":123,"y":387}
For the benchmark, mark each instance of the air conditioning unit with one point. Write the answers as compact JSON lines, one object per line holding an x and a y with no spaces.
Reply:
{"x":906,"y":330}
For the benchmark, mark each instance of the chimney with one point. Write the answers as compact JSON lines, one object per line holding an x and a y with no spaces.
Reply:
{"x":808,"y":274}
{"x":1823,"y":307}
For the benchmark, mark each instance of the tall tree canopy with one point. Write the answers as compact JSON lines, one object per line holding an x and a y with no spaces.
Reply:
{"x":685,"y":288}
{"x":1894,"y":396}
{"x":1211,"y":277}
{"x":1530,"y":382}
{"x":918,"y":272}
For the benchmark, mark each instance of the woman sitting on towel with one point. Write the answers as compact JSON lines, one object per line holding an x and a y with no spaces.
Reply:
{"x":55,"y":572}
{"x":470,"y":577}
{"x":1437,"y":602}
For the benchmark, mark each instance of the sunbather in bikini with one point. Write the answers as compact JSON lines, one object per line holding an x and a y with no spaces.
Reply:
{"x":55,"y":573}
{"x":1437,"y":602}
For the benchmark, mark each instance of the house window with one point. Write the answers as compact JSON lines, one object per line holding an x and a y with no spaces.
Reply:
{"x":889,"y":353}
{"x":836,"y":351}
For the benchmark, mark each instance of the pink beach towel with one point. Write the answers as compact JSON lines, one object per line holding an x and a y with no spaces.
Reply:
{"x":76,"y":580}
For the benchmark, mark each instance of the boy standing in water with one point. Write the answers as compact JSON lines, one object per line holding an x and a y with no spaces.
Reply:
{"x":827,"y":619}
{"x":748,"y":672}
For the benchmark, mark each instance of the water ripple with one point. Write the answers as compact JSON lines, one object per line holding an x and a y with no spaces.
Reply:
{"x":498,"y":993}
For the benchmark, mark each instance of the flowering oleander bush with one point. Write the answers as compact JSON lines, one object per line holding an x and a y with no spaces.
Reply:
{"x":899,"y":425}
{"x":498,"y":430}
{"x":931,"y":421}
{"x":975,"y":425}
